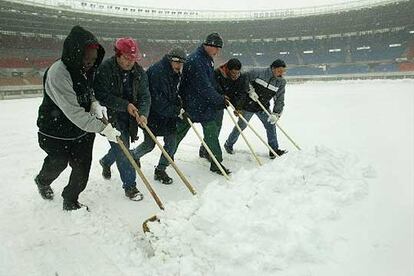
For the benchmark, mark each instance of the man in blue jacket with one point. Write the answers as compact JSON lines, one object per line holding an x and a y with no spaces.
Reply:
{"x":201,"y":100}
{"x":164,"y":78}
{"x":233,"y":84}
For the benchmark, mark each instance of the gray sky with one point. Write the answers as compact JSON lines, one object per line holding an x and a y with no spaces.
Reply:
{"x":227,"y":4}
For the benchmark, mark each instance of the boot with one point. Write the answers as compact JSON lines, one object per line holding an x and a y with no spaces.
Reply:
{"x":69,"y":205}
{"x":216,"y":170}
{"x":162,"y":176}
{"x":279,"y":153}
{"x":228,"y":148}
{"x":44,"y":190}
{"x":106,"y":170}
{"x":203,"y":153}
{"x":133,"y":194}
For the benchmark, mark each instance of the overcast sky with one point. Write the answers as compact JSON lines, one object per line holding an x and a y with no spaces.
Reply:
{"x":227,"y":4}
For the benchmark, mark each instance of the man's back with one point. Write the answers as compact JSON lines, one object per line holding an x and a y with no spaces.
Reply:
{"x":198,"y":89}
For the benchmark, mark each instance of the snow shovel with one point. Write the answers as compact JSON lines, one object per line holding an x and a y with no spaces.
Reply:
{"x":183,"y":178}
{"x":281,"y":129}
{"x":255,"y":132}
{"x":134,"y":164}
{"x":144,"y":179}
{"x":208,"y":149}
{"x":145,"y":226}
{"x":244,"y":137}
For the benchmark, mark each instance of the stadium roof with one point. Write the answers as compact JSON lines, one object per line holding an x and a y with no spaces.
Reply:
{"x":197,"y":10}
{"x":240,"y":5}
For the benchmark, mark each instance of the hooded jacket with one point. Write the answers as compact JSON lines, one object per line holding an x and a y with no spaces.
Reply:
{"x":109,"y":92}
{"x":236,"y":90}
{"x":68,"y":93}
{"x":267,"y":87}
{"x":165,"y":103}
{"x":198,"y":91}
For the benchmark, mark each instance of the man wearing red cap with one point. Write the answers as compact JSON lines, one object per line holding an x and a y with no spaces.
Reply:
{"x":122,"y":85}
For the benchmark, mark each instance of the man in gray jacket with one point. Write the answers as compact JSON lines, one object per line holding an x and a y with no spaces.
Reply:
{"x":69,"y":117}
{"x":267,"y":84}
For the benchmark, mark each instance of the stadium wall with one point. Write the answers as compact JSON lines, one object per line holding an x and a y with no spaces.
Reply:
{"x":29,"y":91}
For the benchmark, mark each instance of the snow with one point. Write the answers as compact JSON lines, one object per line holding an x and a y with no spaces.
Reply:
{"x":341,"y":206}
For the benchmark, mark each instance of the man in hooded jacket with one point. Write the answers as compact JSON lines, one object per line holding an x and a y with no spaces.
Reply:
{"x":69,"y":116}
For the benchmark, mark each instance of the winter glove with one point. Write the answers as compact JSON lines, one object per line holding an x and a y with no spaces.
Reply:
{"x":111,"y":133}
{"x":98,"y":110}
{"x":183,"y":115}
{"x":273,"y":118}
{"x":253,"y":95}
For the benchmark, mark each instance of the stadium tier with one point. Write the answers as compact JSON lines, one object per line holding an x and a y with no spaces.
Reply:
{"x":379,"y":38}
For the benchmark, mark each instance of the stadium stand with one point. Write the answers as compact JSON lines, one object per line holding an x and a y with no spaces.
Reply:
{"x":363,"y":40}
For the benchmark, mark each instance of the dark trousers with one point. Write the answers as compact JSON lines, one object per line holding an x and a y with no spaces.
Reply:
{"x":210,"y":131}
{"x":77,"y":153}
{"x":148,"y":145}
{"x":126,"y":170}
{"x":219,"y":123}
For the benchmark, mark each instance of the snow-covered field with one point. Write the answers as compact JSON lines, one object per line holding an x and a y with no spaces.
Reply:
{"x":341,"y":206}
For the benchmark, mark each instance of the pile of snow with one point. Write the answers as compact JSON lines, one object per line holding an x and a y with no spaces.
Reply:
{"x":263,"y":220}
{"x":308,"y":213}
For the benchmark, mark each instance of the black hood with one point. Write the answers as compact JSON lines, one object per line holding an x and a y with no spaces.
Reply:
{"x":74,"y":48}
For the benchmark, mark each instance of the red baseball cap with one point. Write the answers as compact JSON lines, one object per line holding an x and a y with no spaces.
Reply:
{"x":127,"y":46}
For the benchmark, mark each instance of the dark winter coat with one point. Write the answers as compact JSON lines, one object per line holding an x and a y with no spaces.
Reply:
{"x":236,"y":90}
{"x":198,"y":91}
{"x":109,"y":92}
{"x":68,"y":93}
{"x":165,"y":103}
{"x":267,"y":87}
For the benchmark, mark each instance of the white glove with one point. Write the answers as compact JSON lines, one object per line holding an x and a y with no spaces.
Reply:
{"x":253,"y":95}
{"x":111,"y":133}
{"x":98,"y":110}
{"x":273,"y":118}
{"x":181,"y":115}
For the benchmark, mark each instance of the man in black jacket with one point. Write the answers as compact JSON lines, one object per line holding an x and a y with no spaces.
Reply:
{"x":66,"y":125}
{"x":164,"y":78}
{"x":232,"y":84}
{"x":122,"y":85}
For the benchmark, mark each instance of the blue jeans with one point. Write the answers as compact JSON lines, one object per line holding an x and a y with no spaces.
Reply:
{"x":109,"y":157}
{"x":115,"y":154}
{"x":270,"y":129}
{"x":148,"y":145}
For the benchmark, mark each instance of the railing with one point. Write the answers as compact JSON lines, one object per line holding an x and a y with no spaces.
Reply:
{"x":20,"y":91}
{"x":132,"y":11}
{"x":28,"y":91}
